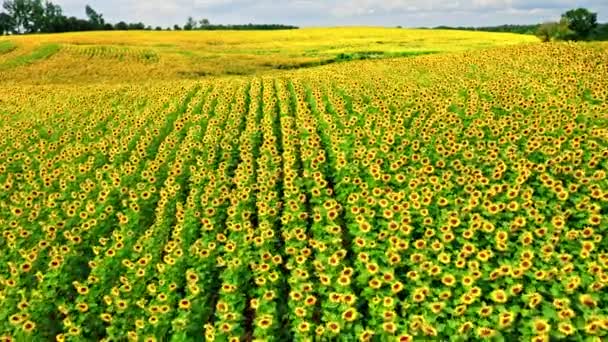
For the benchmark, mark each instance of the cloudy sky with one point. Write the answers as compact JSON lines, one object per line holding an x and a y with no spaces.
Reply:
{"x":407,"y":13}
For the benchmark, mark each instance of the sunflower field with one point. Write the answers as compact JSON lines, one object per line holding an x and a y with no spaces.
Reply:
{"x":459,"y":196}
{"x":145,"y":56}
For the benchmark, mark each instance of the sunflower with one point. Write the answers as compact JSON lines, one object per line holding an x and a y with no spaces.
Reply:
{"x":300,"y":311}
{"x":388,"y":302}
{"x":396,"y":287}
{"x":74,"y":331}
{"x":437,"y":307}
{"x":540,"y":338}
{"x":106,"y":317}
{"x":485,"y":310}
{"x":541,"y":326}
{"x":485,"y":332}
{"x":566,"y":328}
{"x":366,"y":335}
{"x":344,"y":281}
{"x":465,"y":328}
{"x":264,"y":322}
{"x":28,"y":326}
{"x":303,"y":327}
{"x":389,"y":327}
{"x":587,"y":300}
{"x":17,"y":319}
{"x":184,"y":304}
{"x":506,"y":319}
{"x":349,"y":315}
{"x":310,"y":300}
{"x":592,"y":327}
{"x":566,"y":313}
{"x":460,"y":310}
{"x":333,"y":327}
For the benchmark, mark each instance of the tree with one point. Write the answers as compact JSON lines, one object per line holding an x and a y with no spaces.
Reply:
{"x":601,"y":32}
{"x":545,"y":31}
{"x":581,"y":21}
{"x":52,"y":19}
{"x":95,"y":18}
{"x":137,"y":26}
{"x":190,"y":24}
{"x":176,"y":27}
{"x":6,"y":23}
{"x":121,"y":26}
{"x":553,"y":31}
{"x":204,"y":22}
{"x":73,"y":24}
{"x":28,"y":15}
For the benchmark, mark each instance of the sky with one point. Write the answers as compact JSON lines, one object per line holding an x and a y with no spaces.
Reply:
{"x":306,"y":13}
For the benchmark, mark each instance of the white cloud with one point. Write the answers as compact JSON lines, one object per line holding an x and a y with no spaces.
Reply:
{"x":335,"y":12}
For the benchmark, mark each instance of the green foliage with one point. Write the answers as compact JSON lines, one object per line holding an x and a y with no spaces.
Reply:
{"x":6,"y":23}
{"x":52,"y":18}
{"x":553,"y":31}
{"x":361,"y":55}
{"x":247,"y":27}
{"x":581,"y":21}
{"x":521,"y":29}
{"x":32,"y":16}
{"x":575,"y":24}
{"x":36,"y":16}
{"x":7,"y":46}
{"x":190,"y":24}
{"x":40,"y":54}
{"x":601,"y":32}
{"x":27,"y":15}
{"x":352,"y":56}
{"x":94,"y":17}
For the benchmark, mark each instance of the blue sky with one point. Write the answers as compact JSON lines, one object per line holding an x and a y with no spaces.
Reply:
{"x":407,"y":13}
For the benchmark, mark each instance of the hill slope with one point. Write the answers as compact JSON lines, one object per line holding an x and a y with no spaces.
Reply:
{"x":144,"y":56}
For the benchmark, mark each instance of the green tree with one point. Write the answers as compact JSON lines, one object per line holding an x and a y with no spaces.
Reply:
{"x":95,"y":18}
{"x":601,"y":32}
{"x":52,"y":19}
{"x":553,"y":31}
{"x":28,"y":15}
{"x":6,"y":23}
{"x":190,"y":24}
{"x":137,"y":26}
{"x":581,"y":21}
{"x":121,"y":26}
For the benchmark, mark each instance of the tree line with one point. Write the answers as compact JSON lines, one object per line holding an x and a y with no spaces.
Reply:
{"x":576,"y":24}
{"x":36,"y":16}
{"x":521,"y":29}
{"x":204,"y":24}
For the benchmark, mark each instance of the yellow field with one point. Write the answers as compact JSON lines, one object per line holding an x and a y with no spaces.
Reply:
{"x":455,"y":196}
{"x":138,"y":56}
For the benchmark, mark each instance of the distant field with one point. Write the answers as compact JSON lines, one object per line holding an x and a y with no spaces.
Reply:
{"x":458,"y":196}
{"x":137,"y":56}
